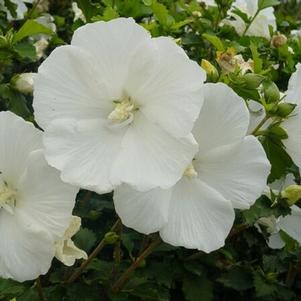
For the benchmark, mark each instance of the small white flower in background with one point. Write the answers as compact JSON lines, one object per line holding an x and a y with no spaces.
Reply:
{"x":296,"y":33}
{"x":35,"y":205}
{"x":24,"y":82}
{"x":20,"y":11}
{"x":78,"y":13}
{"x":290,"y":224}
{"x":118,"y":106}
{"x":48,"y":21}
{"x":292,"y":124}
{"x":65,"y":249}
{"x":260,"y":25}
{"x":40,"y":46}
{"x":229,"y":171}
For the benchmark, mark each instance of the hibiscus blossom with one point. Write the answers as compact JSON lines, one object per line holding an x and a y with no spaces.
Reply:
{"x":35,"y":205}
{"x":118,"y":106}
{"x":228,"y":172}
{"x":292,"y":124}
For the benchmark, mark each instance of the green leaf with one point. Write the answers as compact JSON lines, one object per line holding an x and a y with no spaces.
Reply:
{"x":241,"y":14}
{"x":89,"y":9}
{"x":85,"y":239}
{"x":197,"y":288}
{"x":256,"y":58}
{"x":215,"y":41}
{"x":262,"y":287}
{"x":161,"y":14}
{"x":31,"y":28}
{"x":278,"y":158}
{"x":262,"y":4}
{"x":25,"y":50}
{"x":238,"y":278}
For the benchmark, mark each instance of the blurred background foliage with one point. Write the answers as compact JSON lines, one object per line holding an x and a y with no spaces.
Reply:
{"x":245,"y":268}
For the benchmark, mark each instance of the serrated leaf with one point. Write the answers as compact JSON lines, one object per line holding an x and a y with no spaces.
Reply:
{"x":85,"y":239}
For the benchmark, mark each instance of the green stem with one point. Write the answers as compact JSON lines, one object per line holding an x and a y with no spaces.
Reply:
{"x":96,"y":251}
{"x":40,"y":289}
{"x":250,"y":23}
{"x":261,"y":123}
{"x":117,"y":286}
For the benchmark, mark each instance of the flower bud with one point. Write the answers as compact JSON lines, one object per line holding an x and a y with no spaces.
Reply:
{"x":211,"y":71}
{"x":292,"y":194}
{"x":284,"y":109}
{"x":278,"y":40}
{"x":271,"y":92}
{"x":23,"y":82}
{"x":111,"y":238}
{"x":253,"y":80}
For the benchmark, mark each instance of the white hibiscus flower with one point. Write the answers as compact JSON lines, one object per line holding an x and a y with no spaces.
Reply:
{"x":228,"y":172}
{"x":118,"y":106}
{"x":35,"y":205}
{"x":292,"y":124}
{"x":261,"y":23}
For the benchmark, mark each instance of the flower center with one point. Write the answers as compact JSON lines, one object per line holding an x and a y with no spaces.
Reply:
{"x":190,"y":172}
{"x":7,"y":198}
{"x":123,"y":113}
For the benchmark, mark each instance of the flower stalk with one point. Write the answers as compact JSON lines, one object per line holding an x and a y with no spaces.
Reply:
{"x":117,"y":286}
{"x":96,"y":251}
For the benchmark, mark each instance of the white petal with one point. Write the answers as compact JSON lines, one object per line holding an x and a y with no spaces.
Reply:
{"x":291,"y":224}
{"x":239,"y":172}
{"x":256,"y":114}
{"x":293,"y":142}
{"x":199,"y":217}
{"x":67,"y":252}
{"x":293,"y":93}
{"x":111,"y":44}
{"x":223,"y":120}
{"x":150,"y":157}
{"x":260,"y":26}
{"x":84,"y":151}
{"x":43,"y":199}
{"x":275,"y":241}
{"x":68,"y":85}
{"x":18,"y":139}
{"x":146,"y":212}
{"x":167,"y":85}
{"x":25,"y":252}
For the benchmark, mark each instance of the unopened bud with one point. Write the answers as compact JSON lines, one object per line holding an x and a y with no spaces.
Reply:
{"x":111,"y":238}
{"x":253,"y":80}
{"x":292,"y":194}
{"x":23,"y":82}
{"x":271,"y":92}
{"x":284,"y":109}
{"x":278,"y":40}
{"x":211,"y":71}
